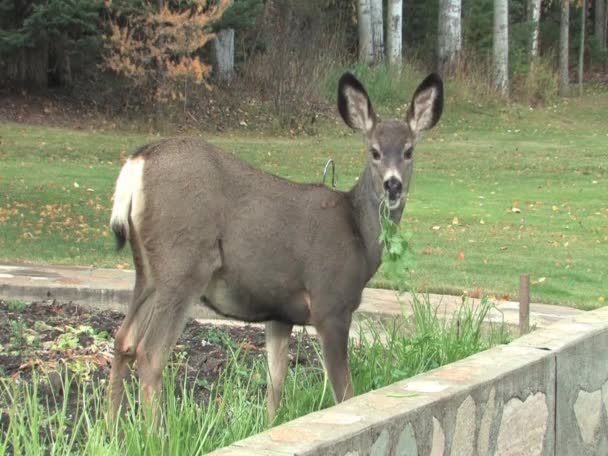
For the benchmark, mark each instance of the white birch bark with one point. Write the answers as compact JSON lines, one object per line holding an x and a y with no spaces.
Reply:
{"x":393,"y":33}
{"x":450,"y":34}
{"x":581,"y":52}
{"x":366,"y":48}
{"x":223,"y":51}
{"x":534,"y":6}
{"x":377,"y":31}
{"x":564,"y":40}
{"x":501,"y":46}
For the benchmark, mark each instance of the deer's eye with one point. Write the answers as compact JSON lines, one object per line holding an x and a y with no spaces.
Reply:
{"x":376,"y":155}
{"x":407,"y":155}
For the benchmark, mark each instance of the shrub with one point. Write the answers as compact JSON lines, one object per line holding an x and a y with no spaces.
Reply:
{"x":156,"y":49}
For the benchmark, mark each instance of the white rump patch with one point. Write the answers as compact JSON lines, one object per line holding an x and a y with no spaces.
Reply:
{"x":128,"y":196}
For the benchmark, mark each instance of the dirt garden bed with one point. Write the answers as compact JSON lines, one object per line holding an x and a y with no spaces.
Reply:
{"x":43,"y":340}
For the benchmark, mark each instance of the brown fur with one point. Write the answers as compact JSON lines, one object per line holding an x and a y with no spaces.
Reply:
{"x":257,"y":247}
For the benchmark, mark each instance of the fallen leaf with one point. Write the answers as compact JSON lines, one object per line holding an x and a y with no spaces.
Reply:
{"x":475,"y":293}
{"x":248,"y":346}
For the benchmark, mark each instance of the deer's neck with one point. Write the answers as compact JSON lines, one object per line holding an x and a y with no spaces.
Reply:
{"x":366,"y":207}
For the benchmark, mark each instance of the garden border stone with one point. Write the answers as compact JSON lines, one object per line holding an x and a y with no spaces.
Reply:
{"x":515,"y":399}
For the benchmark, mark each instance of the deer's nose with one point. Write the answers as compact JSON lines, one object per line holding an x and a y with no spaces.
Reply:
{"x":393,"y":187}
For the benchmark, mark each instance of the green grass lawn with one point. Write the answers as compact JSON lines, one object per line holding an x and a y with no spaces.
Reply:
{"x":498,"y":191}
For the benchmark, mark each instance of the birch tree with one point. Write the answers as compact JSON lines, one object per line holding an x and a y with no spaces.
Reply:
{"x":501,"y":46}
{"x":377,"y":31}
{"x":564,"y":79}
{"x":449,"y":34}
{"x":223,"y":54}
{"x":366,"y":47}
{"x":581,"y":52}
{"x":393,"y":33}
{"x":600,"y":23}
{"x":534,"y":9}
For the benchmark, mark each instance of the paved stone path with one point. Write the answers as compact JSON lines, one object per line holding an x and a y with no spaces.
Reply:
{"x":111,"y":289}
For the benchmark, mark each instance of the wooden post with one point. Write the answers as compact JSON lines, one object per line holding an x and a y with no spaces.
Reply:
{"x":524,"y":304}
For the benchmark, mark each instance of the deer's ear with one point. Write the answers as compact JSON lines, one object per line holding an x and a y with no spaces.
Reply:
{"x":427,"y":105}
{"x":354,"y":104}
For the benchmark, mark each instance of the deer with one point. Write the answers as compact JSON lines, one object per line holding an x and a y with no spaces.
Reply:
{"x":204,"y":225}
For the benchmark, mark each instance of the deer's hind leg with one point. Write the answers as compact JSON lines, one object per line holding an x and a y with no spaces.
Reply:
{"x":177,"y":282}
{"x":127,"y":337}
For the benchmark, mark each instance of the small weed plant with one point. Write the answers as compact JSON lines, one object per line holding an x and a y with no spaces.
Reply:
{"x":398,"y":258}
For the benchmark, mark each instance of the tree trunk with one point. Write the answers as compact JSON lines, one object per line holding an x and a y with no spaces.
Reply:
{"x":63,"y":63}
{"x":534,"y":9}
{"x":28,"y":67}
{"x":501,"y":46}
{"x":449,"y":35}
{"x":564,"y":79}
{"x":377,"y":31}
{"x":223,"y":55}
{"x":366,"y":48}
{"x":581,"y":52}
{"x":600,"y":23}
{"x":393,"y":33}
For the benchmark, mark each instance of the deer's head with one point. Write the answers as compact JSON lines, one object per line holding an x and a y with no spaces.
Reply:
{"x":391,"y":143}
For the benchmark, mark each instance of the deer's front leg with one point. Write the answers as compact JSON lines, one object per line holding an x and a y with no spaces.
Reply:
{"x":277,"y":348}
{"x":333,"y":332}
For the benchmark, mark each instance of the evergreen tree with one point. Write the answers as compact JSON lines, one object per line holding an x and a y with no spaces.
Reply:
{"x":40,"y":39}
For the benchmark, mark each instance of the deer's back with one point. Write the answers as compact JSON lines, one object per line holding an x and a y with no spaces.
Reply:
{"x":276,"y":238}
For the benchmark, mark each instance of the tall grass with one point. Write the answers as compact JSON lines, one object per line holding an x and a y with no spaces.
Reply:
{"x":388,"y":89}
{"x":380,"y":354}
{"x":470,"y":84}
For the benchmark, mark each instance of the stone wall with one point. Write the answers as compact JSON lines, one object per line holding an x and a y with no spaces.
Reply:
{"x":544,"y":394}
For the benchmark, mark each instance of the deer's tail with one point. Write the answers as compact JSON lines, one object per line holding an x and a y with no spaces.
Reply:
{"x":128,"y":184}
